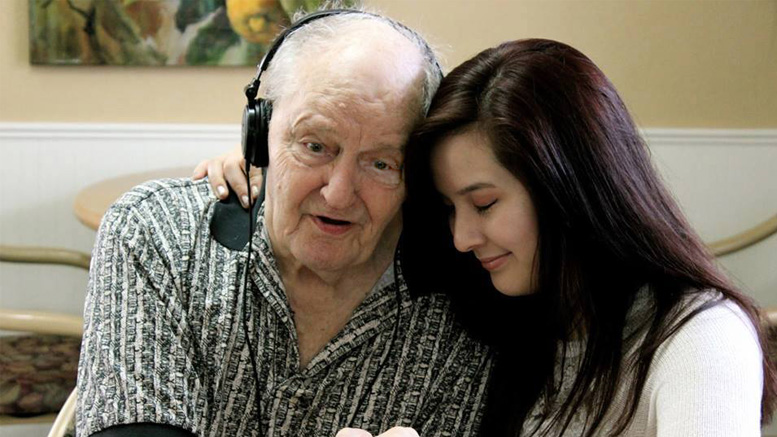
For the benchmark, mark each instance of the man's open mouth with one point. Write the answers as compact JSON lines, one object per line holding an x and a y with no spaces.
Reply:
{"x":331,"y":221}
{"x":332,"y":226}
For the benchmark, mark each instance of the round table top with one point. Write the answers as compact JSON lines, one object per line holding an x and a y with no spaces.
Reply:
{"x":92,"y":202}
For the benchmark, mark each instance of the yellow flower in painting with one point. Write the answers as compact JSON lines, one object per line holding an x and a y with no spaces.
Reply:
{"x":257,"y":21}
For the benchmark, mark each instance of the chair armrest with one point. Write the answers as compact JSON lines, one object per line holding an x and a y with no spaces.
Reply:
{"x":744,"y":239}
{"x":44,"y":255}
{"x":41,"y":322}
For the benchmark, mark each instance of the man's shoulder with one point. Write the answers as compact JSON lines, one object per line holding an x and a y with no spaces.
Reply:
{"x":163,"y":205}
{"x":163,"y":192}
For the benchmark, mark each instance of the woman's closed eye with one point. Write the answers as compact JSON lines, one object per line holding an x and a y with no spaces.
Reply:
{"x":483,"y":208}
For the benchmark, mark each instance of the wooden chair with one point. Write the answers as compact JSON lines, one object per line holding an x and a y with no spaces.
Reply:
{"x":41,"y":323}
{"x":744,"y":240}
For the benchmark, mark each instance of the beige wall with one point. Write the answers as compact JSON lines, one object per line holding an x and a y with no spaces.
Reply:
{"x":678,"y":63}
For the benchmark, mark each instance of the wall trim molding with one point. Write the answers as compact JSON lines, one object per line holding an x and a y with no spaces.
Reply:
{"x":231,"y":133}
{"x":122,"y":131}
{"x":710,"y":137}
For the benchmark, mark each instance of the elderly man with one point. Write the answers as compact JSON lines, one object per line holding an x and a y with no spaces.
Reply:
{"x":326,"y":336}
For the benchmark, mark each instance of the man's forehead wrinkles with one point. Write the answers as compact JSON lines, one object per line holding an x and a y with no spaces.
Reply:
{"x":348,"y":95}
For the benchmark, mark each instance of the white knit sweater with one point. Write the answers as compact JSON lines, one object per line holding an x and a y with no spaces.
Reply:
{"x":705,"y":381}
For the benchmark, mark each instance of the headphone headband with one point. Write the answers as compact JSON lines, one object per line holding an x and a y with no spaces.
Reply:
{"x":253,"y":88}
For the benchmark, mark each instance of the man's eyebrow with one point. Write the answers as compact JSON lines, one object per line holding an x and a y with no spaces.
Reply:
{"x":309,"y":121}
{"x":474,"y":187}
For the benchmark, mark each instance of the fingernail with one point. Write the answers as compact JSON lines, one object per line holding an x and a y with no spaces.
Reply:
{"x":255,"y":191}
{"x":221,"y":190}
{"x":244,"y":199}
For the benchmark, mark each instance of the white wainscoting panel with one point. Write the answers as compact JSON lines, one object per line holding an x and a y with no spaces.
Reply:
{"x":726,"y":181}
{"x":42,"y":168}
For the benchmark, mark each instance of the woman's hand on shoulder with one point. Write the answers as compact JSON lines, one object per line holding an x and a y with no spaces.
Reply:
{"x":397,"y":431}
{"x":227,"y":171}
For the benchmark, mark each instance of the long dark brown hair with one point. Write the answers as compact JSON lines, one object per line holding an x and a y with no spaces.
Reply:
{"x":608,"y":228}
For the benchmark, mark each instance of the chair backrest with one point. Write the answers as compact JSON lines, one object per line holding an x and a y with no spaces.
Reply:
{"x":46,"y":323}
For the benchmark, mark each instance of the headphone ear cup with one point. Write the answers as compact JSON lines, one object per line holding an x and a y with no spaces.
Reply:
{"x":248,"y":132}
{"x":256,"y":126}
{"x":263,"y":133}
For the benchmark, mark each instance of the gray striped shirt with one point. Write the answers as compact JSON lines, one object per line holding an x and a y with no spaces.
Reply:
{"x":164,"y":339}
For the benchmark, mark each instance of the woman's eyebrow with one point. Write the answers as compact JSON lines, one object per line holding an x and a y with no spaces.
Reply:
{"x":474,"y":187}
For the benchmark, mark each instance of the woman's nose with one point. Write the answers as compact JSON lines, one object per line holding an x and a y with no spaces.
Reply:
{"x":466,"y":235}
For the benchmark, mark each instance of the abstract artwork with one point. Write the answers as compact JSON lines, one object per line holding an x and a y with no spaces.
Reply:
{"x":157,"y":32}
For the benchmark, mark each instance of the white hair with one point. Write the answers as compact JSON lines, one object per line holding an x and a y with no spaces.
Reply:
{"x":317,"y":35}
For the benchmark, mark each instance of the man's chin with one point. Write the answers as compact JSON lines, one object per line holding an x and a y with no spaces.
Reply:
{"x":326,"y":257}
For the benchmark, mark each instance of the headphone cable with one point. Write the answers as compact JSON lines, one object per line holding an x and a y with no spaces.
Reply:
{"x":381,"y":366}
{"x":245,"y":298}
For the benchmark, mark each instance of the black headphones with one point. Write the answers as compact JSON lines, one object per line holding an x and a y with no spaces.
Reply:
{"x":257,"y":113}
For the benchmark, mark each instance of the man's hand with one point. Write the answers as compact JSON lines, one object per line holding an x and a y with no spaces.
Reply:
{"x":228,"y":171}
{"x":397,"y":431}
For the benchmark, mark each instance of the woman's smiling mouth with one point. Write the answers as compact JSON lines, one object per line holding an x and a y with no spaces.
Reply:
{"x":494,"y":262}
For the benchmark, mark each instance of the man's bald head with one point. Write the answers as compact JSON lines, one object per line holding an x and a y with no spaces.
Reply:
{"x":352,"y":38}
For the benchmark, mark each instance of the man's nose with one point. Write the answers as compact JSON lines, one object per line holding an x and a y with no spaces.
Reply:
{"x":466,"y":235}
{"x":340,"y":190}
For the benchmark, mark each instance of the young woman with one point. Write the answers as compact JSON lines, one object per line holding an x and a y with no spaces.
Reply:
{"x":529,"y":179}
{"x":547,"y":182}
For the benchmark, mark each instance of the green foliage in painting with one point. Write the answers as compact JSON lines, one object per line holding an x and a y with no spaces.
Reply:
{"x":158,"y":32}
{"x":212,"y":41}
{"x":192,"y":11}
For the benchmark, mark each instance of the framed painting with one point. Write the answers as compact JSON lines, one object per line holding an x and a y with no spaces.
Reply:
{"x":157,"y":32}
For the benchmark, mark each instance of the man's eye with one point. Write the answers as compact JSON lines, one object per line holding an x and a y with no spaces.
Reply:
{"x":381,"y":165}
{"x":311,"y":153}
{"x":315,"y":147}
{"x":385,"y":170}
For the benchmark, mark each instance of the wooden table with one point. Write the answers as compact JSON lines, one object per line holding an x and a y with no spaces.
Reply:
{"x":92,"y":202}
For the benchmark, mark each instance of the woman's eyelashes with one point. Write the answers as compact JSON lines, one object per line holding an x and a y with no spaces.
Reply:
{"x":482,"y":208}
